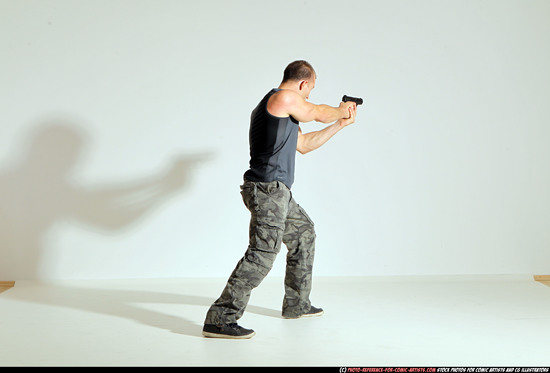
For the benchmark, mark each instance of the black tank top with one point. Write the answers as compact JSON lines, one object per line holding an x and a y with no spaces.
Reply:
{"x":273,"y":143}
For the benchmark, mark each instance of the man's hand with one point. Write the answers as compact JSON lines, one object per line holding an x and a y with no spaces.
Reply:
{"x":352,"y":110}
{"x":346,"y":106}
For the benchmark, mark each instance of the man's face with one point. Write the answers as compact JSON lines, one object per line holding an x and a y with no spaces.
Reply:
{"x":308,"y":87}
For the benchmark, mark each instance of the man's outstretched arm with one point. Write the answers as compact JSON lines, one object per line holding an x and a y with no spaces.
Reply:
{"x":313,"y":140}
{"x":286,"y":102}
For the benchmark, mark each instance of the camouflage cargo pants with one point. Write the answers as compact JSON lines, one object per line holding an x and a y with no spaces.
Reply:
{"x":275,"y":218}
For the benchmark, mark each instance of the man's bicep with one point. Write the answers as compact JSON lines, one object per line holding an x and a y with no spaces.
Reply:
{"x":303,"y":111}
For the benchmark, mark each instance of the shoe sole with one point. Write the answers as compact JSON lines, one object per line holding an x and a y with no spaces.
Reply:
{"x":226,"y":336}
{"x":305,"y":315}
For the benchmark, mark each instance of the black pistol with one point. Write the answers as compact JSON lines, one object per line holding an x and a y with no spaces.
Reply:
{"x":357,"y":100}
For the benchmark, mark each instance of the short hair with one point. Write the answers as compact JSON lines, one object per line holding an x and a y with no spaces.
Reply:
{"x":298,"y":70}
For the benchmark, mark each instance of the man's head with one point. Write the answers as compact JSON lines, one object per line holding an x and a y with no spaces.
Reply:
{"x":301,"y":76}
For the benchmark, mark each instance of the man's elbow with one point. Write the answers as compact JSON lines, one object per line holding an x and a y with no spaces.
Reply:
{"x":303,"y":149}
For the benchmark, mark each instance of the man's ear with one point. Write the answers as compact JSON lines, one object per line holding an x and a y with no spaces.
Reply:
{"x":303,"y":84}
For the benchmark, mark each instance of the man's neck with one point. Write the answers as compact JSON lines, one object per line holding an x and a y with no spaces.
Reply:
{"x":290,"y":85}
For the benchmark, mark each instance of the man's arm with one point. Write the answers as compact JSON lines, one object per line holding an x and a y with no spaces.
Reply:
{"x":287,"y":102}
{"x":313,"y":140}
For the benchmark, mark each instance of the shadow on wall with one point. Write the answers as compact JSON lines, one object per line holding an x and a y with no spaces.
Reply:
{"x":38,"y":191}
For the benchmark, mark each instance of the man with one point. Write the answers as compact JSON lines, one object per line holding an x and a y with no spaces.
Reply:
{"x":274,"y":137}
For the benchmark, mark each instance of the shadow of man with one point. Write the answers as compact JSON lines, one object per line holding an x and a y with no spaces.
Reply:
{"x":39,"y":190}
{"x":129,"y":304}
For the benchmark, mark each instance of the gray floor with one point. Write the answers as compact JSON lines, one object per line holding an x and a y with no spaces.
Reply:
{"x":391,"y":321}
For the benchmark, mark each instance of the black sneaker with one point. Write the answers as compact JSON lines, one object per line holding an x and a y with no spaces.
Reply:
{"x":313,"y":311}
{"x":231,"y":331}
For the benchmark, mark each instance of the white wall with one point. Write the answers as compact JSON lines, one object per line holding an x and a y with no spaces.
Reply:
{"x":123,"y":134}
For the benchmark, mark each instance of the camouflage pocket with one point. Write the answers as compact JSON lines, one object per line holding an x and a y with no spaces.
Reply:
{"x":270,"y":188}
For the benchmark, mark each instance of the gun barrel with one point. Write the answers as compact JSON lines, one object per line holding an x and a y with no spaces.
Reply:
{"x":357,"y":100}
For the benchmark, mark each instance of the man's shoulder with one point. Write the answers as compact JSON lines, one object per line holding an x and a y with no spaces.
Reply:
{"x":280,"y":103}
{"x":284,"y":98}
